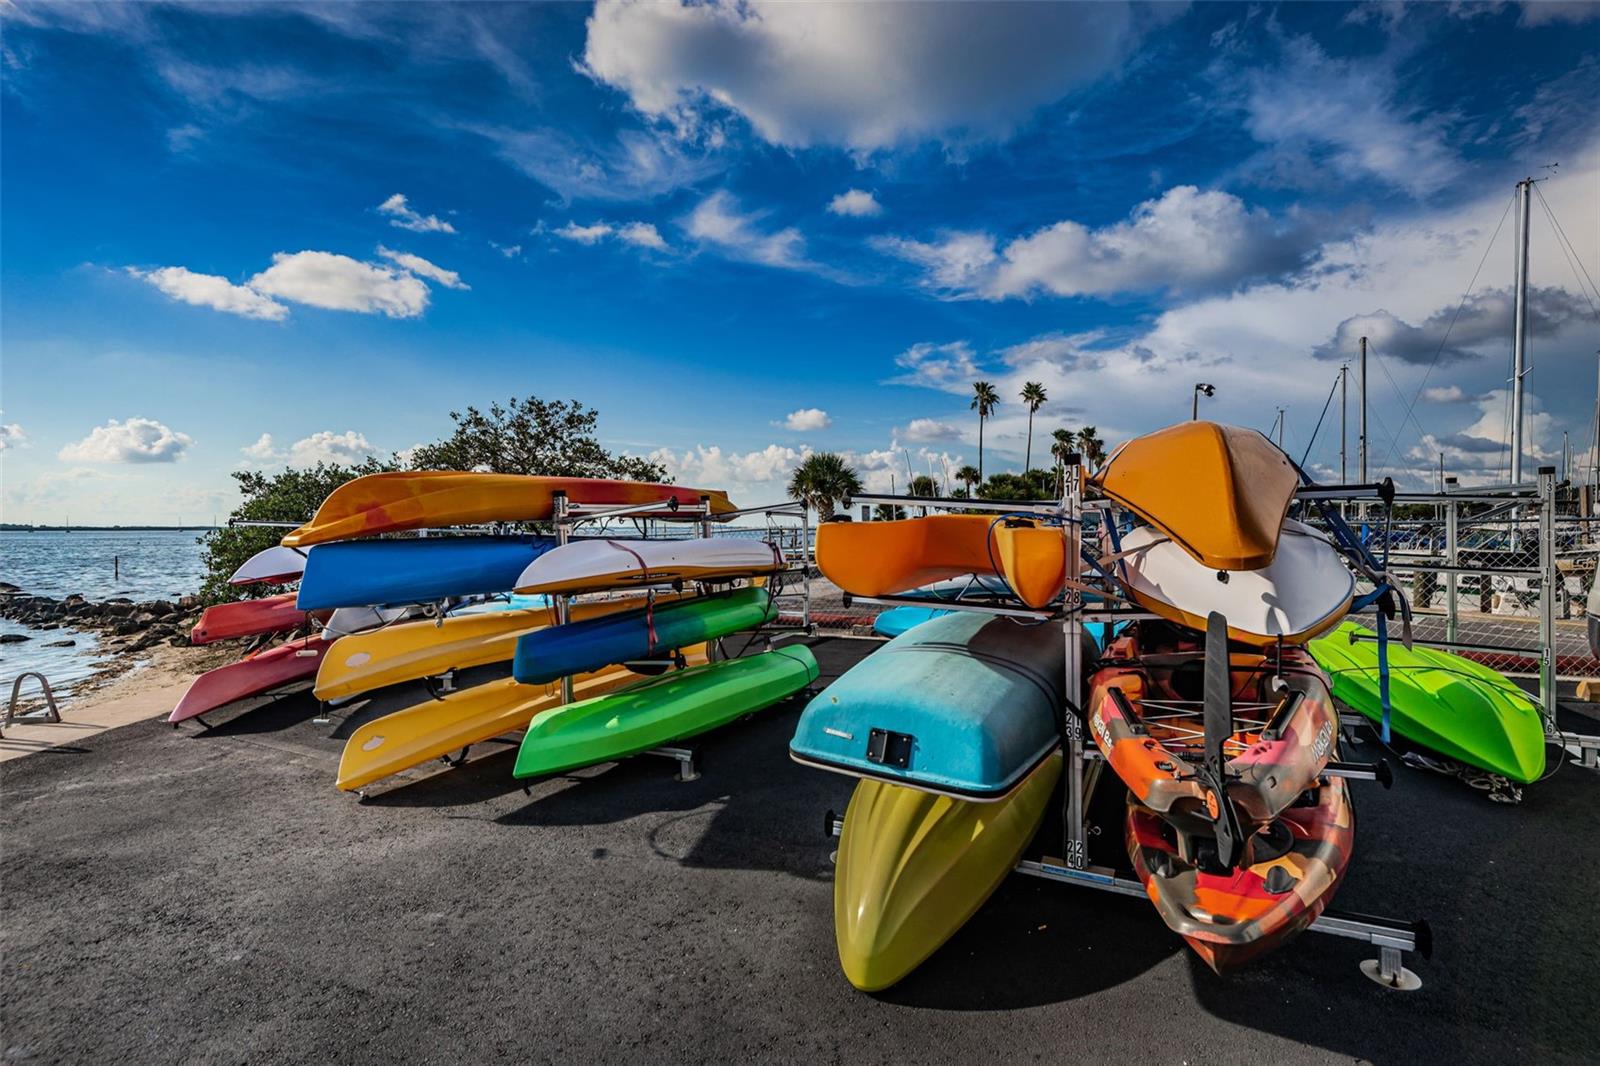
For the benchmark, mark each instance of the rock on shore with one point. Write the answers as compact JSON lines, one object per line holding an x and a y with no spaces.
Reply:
{"x":124,"y":625}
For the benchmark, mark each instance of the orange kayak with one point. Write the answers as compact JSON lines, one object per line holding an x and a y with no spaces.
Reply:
{"x":1220,"y":492}
{"x":884,"y":558}
{"x":390,"y":503}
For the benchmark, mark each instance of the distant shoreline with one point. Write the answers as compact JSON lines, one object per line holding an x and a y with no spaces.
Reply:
{"x":12,"y":527}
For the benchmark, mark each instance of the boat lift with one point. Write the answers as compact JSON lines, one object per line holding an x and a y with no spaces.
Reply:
{"x":1084,"y":762}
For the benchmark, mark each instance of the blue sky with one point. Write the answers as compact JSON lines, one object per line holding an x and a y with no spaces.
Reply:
{"x":257,"y":234}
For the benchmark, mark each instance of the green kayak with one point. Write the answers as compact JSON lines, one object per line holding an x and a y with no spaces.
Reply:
{"x":1454,"y":706}
{"x":655,"y":712}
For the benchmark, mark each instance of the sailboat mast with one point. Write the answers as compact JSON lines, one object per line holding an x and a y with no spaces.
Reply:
{"x":1520,"y":340}
{"x":1344,"y":415}
{"x":1361,"y":440}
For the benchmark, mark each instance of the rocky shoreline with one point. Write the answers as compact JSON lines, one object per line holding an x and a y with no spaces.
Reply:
{"x":124,"y":625}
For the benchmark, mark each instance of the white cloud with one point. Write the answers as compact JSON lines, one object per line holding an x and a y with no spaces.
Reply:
{"x":855,"y":203}
{"x":345,"y":449}
{"x":584,"y":234}
{"x":339,"y":283}
{"x":866,"y":76}
{"x":12,"y":436}
{"x":1544,"y":12}
{"x":423,"y":268}
{"x":401,"y":214}
{"x":1186,"y":239}
{"x":510,"y":251}
{"x":638,"y":234}
{"x":263,"y":449}
{"x":641,"y":235}
{"x":210,"y":290}
{"x":137,"y":440}
{"x":1482,"y":451}
{"x":807,"y":419}
{"x":762,"y":476}
{"x":925,"y":430}
{"x":1444,"y":394}
{"x":1455,"y":331}
{"x":951,"y":367}
{"x":717,"y":221}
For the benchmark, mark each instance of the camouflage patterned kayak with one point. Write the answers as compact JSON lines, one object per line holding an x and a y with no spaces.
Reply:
{"x":1287,"y":878}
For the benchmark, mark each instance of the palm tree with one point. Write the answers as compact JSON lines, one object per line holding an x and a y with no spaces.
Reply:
{"x":923,"y":485}
{"x":969,"y":476}
{"x":984,"y":401}
{"x":1063,"y":442}
{"x":821,"y":480}
{"x":1094,"y":449}
{"x":1032,"y":395}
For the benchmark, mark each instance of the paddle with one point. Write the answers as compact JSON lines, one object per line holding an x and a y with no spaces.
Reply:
{"x":1218,"y":724}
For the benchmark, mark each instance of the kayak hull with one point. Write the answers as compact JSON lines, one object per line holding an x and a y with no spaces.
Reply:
{"x":421,"y":570}
{"x":249,"y":618}
{"x":913,"y":867}
{"x":276,"y":565}
{"x":674,"y":706}
{"x":266,"y":671}
{"x":605,"y":563}
{"x":1449,"y":704}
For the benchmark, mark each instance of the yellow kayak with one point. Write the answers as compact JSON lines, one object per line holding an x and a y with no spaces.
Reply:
{"x":436,"y":728}
{"x":914,"y":866}
{"x":362,"y":662}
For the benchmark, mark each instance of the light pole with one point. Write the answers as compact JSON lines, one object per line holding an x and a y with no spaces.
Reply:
{"x":1200,"y":387}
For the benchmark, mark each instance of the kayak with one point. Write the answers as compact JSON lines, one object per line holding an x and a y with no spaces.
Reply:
{"x":393,"y":502}
{"x":275,"y":565}
{"x":913,"y":867}
{"x":1304,"y":591}
{"x":406,"y":651}
{"x":1145,"y":713}
{"x":438,"y":727}
{"x":248,"y":618}
{"x":346,"y":620}
{"x":966,"y":705}
{"x":418,"y":570}
{"x":1285,"y":882}
{"x":267,"y":671}
{"x":888,"y":558}
{"x":552,"y":652}
{"x":896,"y":620}
{"x":1459,"y":708}
{"x":604,"y":563}
{"x":674,"y":706}
{"x":1220,"y":492}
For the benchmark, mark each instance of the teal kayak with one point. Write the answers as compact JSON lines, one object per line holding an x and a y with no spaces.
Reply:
{"x":672,"y":707}
{"x":1459,"y":708}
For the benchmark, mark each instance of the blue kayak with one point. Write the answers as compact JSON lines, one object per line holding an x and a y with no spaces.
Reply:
{"x":964,"y":704}
{"x":546,"y":654}
{"x":896,"y":620}
{"x":362,"y":573}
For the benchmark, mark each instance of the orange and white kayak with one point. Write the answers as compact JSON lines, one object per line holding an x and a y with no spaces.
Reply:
{"x":1220,"y":492}
{"x":885,"y":558}
{"x":598,"y":563}
{"x":417,"y":499}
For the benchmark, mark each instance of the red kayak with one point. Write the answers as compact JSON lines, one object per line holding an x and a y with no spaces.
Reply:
{"x":274,"y":668}
{"x":249,"y":618}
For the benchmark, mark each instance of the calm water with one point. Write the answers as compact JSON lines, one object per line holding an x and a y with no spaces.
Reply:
{"x":142,"y":565}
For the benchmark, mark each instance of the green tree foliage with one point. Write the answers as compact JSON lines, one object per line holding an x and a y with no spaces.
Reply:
{"x":1034,"y":396}
{"x":823,"y":480}
{"x":969,"y":476}
{"x":984,"y":400}
{"x":885,"y":512}
{"x":1093,"y":448}
{"x":923,"y":485}
{"x":553,"y":438}
{"x":291,"y":495}
{"x":1032,"y":485}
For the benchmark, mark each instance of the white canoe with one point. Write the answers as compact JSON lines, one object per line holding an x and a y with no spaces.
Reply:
{"x":1304,"y":591}
{"x":276,"y":564}
{"x":603,"y":563}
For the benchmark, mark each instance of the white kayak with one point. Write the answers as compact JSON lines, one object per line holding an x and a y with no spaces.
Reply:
{"x":602,"y":563}
{"x":1304,"y":591}
{"x":276,"y":564}
{"x":347,"y":620}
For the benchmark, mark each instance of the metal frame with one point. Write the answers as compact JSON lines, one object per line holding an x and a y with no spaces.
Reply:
{"x":50,"y":714}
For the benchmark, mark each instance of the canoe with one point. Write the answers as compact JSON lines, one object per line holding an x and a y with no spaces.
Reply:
{"x":674,"y":706}
{"x":1220,"y":492}
{"x":1459,"y":708}
{"x":275,"y":565}
{"x":417,"y":499}
{"x":1145,"y":714}
{"x":887,"y":558}
{"x":249,"y":618}
{"x":1304,"y":591}
{"x":1284,"y":884}
{"x":406,"y":651}
{"x":419,"y":570}
{"x":604,"y":563}
{"x":966,"y":705}
{"x":543,"y":655}
{"x":913,"y":867}
{"x":439,"y":727}
{"x":267,"y":671}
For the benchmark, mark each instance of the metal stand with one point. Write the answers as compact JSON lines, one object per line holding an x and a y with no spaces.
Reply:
{"x":686,"y":758}
{"x":50,"y":714}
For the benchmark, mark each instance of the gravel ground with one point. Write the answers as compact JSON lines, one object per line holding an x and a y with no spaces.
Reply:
{"x":209,"y":896}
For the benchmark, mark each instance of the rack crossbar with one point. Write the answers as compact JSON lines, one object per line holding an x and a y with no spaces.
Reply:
{"x":957,"y":502}
{"x":951,"y":605}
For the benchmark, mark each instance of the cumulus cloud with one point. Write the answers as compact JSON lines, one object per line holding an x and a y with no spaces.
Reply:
{"x":584,"y":234}
{"x":1482,"y":450}
{"x":12,"y":436}
{"x":339,"y":283}
{"x":344,"y":449}
{"x":136,"y":440}
{"x":757,"y":476}
{"x":1186,"y":239}
{"x":423,"y":268}
{"x":718,"y":222}
{"x":210,"y":290}
{"x":951,"y":367}
{"x":855,"y":203}
{"x":638,"y":234}
{"x":402,"y":215}
{"x":641,"y":235}
{"x":263,"y":449}
{"x":865,"y":76}
{"x":1444,"y":394}
{"x":807,"y":419}
{"x":925,"y":430}
{"x":1485,"y":318}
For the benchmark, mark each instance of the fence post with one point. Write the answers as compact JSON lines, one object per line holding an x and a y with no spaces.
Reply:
{"x":1547,"y":595}
{"x":1452,"y":526}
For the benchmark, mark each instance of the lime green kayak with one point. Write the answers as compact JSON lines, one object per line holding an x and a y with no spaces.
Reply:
{"x":655,"y":712}
{"x":1459,"y":708}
